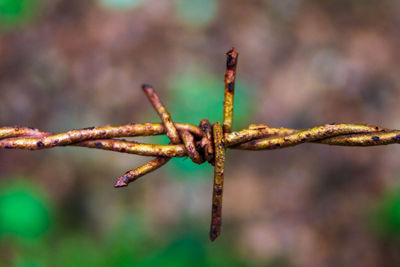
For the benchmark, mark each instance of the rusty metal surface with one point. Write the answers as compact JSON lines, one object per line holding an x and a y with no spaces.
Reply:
{"x":230,"y":76}
{"x":216,"y":209}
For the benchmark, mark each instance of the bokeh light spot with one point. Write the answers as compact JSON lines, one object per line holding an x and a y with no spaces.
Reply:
{"x":385,"y":219}
{"x":23,"y":212}
{"x":121,"y":4}
{"x":196,"y":12}
{"x":14,"y":13}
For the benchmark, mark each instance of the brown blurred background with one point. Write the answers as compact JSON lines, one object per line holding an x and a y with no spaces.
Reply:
{"x":71,"y":64}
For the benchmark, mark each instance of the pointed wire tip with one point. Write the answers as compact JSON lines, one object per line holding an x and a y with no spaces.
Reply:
{"x":214,"y":233}
{"x":120,"y":183}
{"x":232,"y":52}
{"x":213,"y":237}
{"x":231,"y":59}
{"x":146,"y":86}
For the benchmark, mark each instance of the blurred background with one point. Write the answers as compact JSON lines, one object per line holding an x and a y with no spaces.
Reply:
{"x":71,"y":64}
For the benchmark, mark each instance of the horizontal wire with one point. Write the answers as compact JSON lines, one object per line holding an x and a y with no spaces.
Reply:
{"x":39,"y":140}
{"x":259,"y":131}
{"x":315,"y":134}
{"x":8,"y":132}
{"x":252,"y":138}
{"x":368,"y":139}
{"x":136,"y":148}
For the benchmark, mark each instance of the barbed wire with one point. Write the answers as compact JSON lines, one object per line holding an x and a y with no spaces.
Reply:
{"x":204,"y":143}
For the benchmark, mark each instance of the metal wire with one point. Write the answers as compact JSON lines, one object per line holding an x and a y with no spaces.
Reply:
{"x":201,"y":143}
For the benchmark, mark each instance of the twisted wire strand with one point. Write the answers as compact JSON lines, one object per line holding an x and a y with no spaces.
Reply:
{"x":262,"y":138}
{"x":320,"y":134}
{"x":32,"y":136}
{"x":201,"y":143}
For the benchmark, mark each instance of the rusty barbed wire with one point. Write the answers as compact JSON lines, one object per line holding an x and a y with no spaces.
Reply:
{"x":202,"y":143}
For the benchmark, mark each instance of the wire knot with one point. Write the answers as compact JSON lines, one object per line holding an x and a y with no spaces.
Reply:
{"x":200,"y":150}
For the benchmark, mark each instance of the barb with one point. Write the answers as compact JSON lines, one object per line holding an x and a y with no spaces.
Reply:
{"x":230,"y":76}
{"x":216,"y":210}
{"x":200,"y":143}
{"x":171,"y":132}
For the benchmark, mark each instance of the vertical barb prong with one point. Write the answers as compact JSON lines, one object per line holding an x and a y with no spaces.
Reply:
{"x":230,"y":75}
{"x":216,"y":209}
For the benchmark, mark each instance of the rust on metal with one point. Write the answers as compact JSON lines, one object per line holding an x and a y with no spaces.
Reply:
{"x":32,"y":137}
{"x":230,"y":76}
{"x":9,"y":132}
{"x":206,"y":142}
{"x":172,"y":133}
{"x":200,"y":143}
{"x":216,"y":209}
{"x":133,"y":175}
{"x":136,"y":148}
{"x":188,"y":141}
{"x":310,"y":135}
